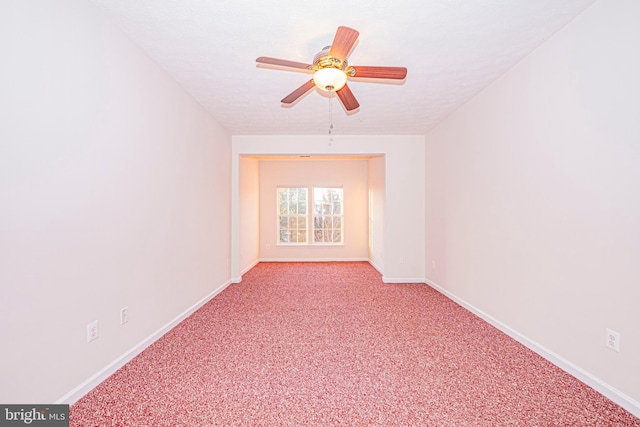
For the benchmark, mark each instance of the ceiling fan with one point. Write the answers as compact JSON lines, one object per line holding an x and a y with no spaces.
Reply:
{"x":331,"y":70}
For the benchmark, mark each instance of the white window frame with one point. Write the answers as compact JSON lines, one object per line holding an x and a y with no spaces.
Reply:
{"x":295,"y":216}
{"x":333,"y":214}
{"x":310,"y":217}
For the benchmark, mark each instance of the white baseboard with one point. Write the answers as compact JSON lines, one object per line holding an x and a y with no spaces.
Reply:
{"x":78,"y":392}
{"x":253,"y":264}
{"x":377,"y":267}
{"x":239,"y":278}
{"x":314,"y":260}
{"x":597,"y":384}
{"x":387,"y":279}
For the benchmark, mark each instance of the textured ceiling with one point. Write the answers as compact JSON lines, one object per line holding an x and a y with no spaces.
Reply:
{"x":452,"y":49}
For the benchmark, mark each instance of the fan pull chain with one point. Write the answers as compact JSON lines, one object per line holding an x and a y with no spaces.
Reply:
{"x":330,"y":115}
{"x":330,"y":120}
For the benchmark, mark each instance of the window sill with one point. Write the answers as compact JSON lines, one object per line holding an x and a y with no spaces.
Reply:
{"x":311,"y":244}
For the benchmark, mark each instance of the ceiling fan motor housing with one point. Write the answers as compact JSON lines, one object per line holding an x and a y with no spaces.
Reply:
{"x":324,"y":60}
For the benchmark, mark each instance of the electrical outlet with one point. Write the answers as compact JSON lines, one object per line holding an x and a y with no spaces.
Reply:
{"x":613,"y":340}
{"x":401,"y":260}
{"x":124,"y":315}
{"x":92,"y":331}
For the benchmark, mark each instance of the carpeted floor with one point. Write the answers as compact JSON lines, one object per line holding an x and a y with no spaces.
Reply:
{"x":329,"y":344}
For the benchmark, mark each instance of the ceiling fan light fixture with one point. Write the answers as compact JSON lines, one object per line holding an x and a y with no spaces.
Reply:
{"x":330,"y":79}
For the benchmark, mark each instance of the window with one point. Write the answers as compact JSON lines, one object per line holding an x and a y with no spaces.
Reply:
{"x":292,"y":215}
{"x":327,"y":217}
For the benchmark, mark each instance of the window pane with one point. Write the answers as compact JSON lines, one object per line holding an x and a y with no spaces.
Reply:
{"x":293,"y":201}
{"x":326,"y":223}
{"x":337,"y":222}
{"x":337,"y":236}
{"x":284,"y":223}
{"x":302,"y":236}
{"x":282,"y":201}
{"x":284,"y":236}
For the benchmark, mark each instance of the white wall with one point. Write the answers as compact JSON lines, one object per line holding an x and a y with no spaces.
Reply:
{"x":115,"y":192}
{"x":533,"y":198}
{"x":404,"y":180}
{"x":351,"y":175}
{"x":376,"y":212}
{"x":249,"y":177}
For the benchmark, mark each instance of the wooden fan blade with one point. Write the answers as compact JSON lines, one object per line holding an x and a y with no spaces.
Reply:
{"x":396,"y":73}
{"x":293,"y":96}
{"x":348,"y":100}
{"x":343,"y":42}
{"x":283,"y":62}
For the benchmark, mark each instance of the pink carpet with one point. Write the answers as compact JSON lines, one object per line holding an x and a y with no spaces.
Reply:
{"x":329,"y":344}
